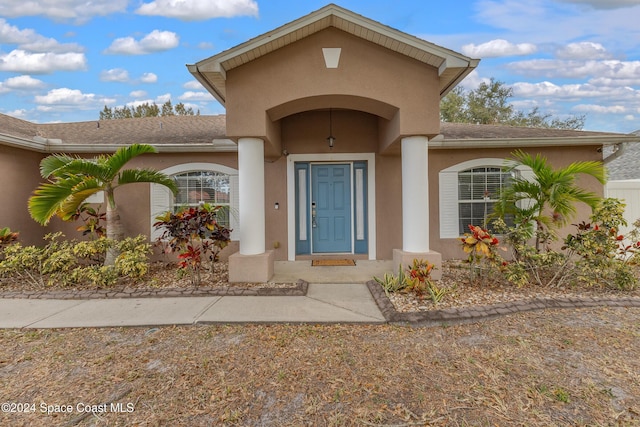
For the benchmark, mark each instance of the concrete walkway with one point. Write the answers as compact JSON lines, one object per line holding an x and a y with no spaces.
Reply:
{"x":324,"y":303}
{"x":344,"y":299}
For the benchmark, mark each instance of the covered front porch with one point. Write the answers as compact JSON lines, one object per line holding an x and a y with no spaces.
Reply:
{"x":332,"y":114}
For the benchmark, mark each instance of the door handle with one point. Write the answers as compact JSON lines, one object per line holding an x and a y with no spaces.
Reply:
{"x":314,"y":224}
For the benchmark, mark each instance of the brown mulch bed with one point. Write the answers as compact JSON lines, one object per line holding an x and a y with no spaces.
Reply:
{"x":546,"y":368}
{"x":463,"y":292}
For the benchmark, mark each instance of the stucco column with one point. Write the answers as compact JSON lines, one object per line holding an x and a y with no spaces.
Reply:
{"x":251,"y":195}
{"x":415,"y":194}
{"x":252,"y":263}
{"x":415,"y":206}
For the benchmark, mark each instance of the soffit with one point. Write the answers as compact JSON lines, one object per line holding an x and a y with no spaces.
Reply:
{"x":452,"y":66}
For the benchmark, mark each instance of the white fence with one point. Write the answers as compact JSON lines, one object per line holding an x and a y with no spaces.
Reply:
{"x":629,"y":192}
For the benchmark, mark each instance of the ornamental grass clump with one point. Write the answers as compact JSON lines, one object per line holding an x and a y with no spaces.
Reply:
{"x":416,"y":279}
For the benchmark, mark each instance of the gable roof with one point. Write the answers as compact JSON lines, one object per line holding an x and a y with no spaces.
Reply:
{"x":452,"y":66}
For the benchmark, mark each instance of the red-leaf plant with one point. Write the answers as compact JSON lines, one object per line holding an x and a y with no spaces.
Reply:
{"x":196,"y":235}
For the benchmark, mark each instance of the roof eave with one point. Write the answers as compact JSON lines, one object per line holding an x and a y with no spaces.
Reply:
{"x":530,"y":142}
{"x":195,"y":71}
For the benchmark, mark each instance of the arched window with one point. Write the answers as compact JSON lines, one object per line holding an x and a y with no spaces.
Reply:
{"x":199,"y":183}
{"x":468,"y":191}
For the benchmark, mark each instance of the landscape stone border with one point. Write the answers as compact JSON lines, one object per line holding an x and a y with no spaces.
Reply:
{"x":299,"y":289}
{"x":474,"y":313}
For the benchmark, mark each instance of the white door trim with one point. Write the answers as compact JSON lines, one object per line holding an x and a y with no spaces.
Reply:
{"x":370,"y":158}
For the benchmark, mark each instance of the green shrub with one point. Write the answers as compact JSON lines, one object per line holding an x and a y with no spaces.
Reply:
{"x":603,"y":254}
{"x":133,"y":259}
{"x":69,"y":263}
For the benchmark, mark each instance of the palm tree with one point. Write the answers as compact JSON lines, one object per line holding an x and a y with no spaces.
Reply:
{"x":73,"y":179}
{"x":549,"y":199}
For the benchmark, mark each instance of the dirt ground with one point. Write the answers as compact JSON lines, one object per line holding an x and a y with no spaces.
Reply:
{"x":577,"y":367}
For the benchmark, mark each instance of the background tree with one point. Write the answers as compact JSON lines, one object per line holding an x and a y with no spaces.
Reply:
{"x":488,"y":104}
{"x":73,"y":179}
{"x":147,"y":110}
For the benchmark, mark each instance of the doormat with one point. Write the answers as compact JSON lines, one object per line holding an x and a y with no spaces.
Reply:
{"x":332,"y":262}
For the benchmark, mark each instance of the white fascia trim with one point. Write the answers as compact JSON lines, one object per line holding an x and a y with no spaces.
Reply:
{"x":33,"y":145}
{"x":529,"y":142}
{"x":331,"y":157}
{"x":162,"y":148}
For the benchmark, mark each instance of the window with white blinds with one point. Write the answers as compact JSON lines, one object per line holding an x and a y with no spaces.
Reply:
{"x":478,"y":191}
{"x":198,"y":187}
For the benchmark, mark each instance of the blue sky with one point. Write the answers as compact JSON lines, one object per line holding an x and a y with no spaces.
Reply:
{"x":64,"y":60}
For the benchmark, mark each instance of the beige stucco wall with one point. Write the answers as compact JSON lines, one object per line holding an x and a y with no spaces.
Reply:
{"x":557,"y":157}
{"x":294,"y":79}
{"x":19,"y":176}
{"x":356,"y":132}
{"x":134,"y":199}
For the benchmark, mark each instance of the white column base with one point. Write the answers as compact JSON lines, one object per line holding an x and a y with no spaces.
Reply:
{"x":251,"y":268}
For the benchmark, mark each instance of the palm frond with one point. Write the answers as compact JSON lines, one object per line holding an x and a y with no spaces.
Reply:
{"x":79,"y":194}
{"x":593,"y":168}
{"x":48,"y":199}
{"x":129,"y":176}
{"x":51,"y":164}
{"x":125,"y":154}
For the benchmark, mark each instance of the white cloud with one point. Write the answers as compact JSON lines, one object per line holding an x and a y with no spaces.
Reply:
{"x":575,"y":92}
{"x":70,"y":99}
{"x":21,"y":83}
{"x":193,"y":85}
{"x":199,"y":10}
{"x":600,"y":109}
{"x":115,"y":75}
{"x":20,"y":113}
{"x":161,"y":99}
{"x":64,"y":96}
{"x":583,"y":50}
{"x":20,"y":61}
{"x":498,"y":48}
{"x":138,"y":94}
{"x":76,"y":10}
{"x":156,"y":41}
{"x":605,"y":4}
{"x":195,"y":96}
{"x":555,"y":68}
{"x":149,"y":78}
{"x":28,"y":39}
{"x":630,"y":117}
{"x":548,"y":21}
{"x":473,"y":80}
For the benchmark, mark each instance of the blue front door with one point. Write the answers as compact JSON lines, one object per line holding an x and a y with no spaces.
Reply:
{"x":331,"y":208}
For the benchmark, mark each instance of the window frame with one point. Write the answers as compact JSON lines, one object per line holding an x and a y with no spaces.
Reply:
{"x":162,"y":199}
{"x":449,"y":186}
{"x":201,"y":188}
{"x":472,"y":201}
